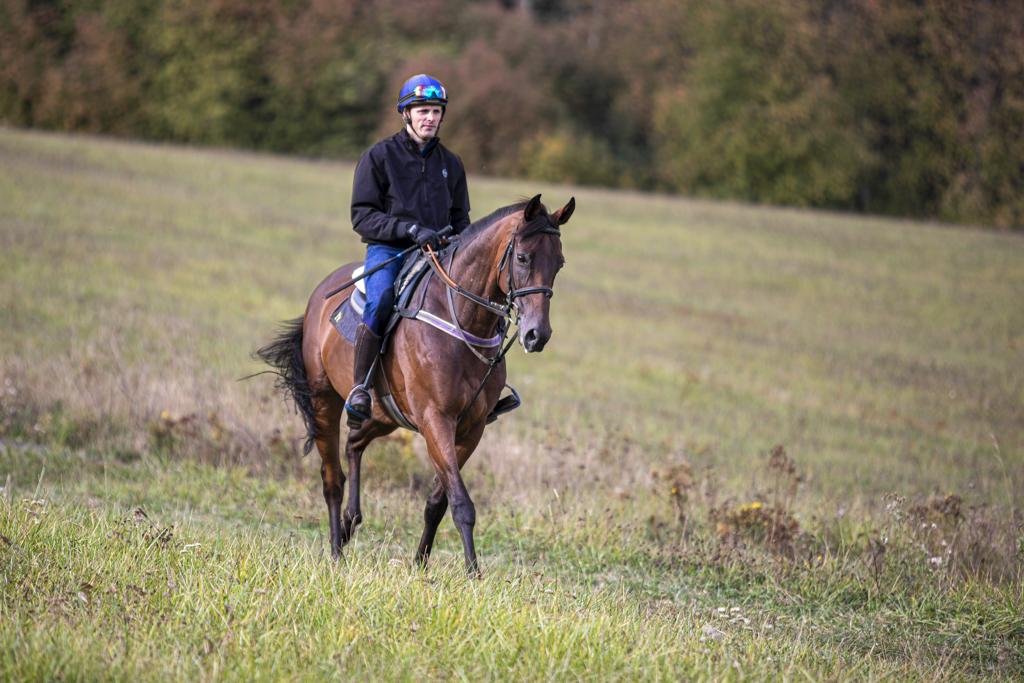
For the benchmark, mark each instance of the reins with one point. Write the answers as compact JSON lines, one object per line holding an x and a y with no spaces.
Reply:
{"x":452,"y":285}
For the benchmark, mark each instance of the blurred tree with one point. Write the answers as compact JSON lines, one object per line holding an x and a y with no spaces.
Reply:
{"x":72,"y":65}
{"x":912,"y":108}
{"x":500,"y":107}
{"x":936,"y":87}
{"x":565,"y":156}
{"x":30,"y":45}
{"x":211,"y":84}
{"x":758,"y":116}
{"x":613,"y":62}
{"x":326,"y":77}
{"x":92,"y":89}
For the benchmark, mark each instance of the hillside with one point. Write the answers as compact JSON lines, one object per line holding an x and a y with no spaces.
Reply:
{"x":622,"y":511}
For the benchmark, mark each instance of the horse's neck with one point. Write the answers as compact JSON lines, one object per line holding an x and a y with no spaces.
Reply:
{"x":475,"y":268}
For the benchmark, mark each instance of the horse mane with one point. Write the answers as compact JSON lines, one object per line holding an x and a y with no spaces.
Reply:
{"x":481,"y":225}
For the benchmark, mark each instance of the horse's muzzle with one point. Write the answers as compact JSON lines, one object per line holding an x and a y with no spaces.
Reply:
{"x":533,"y":339}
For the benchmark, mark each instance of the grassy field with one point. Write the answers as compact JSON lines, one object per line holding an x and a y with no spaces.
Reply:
{"x":761,"y":443}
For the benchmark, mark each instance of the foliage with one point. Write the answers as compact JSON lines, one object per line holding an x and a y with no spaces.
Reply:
{"x":320,"y":66}
{"x":209,"y":84}
{"x":933,"y":85}
{"x":758,"y":117}
{"x":902,"y":108}
{"x":569,"y":157}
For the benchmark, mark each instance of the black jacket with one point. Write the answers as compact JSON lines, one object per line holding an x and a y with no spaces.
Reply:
{"x":396,"y":187}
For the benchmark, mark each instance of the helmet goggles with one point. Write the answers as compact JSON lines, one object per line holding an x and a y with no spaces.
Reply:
{"x":430,"y":92}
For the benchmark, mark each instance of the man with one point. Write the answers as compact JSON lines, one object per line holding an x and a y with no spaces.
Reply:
{"x":406,"y":189}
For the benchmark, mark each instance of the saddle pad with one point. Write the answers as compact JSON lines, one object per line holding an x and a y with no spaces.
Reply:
{"x":348,"y":315}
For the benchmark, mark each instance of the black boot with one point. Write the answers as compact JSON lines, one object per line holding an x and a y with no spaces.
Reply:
{"x":359,"y":405}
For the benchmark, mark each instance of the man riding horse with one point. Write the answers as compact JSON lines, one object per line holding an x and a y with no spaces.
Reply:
{"x":406,"y":189}
{"x":445,"y":373}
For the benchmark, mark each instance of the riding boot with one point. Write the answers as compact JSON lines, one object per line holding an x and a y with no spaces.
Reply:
{"x":359,"y":405}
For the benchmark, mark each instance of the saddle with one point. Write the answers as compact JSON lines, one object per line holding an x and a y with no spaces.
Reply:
{"x":410,"y":293}
{"x":349,"y":313}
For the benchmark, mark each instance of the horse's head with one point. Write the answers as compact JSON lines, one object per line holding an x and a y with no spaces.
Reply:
{"x":532,"y":260}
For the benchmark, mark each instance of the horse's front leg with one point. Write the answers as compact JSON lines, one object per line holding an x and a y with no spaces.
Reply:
{"x":448,"y":459}
{"x":464,"y":516}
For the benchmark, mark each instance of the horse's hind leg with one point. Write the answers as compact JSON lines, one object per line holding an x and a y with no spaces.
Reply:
{"x":433,"y":513}
{"x":358,"y":440}
{"x":328,"y":418}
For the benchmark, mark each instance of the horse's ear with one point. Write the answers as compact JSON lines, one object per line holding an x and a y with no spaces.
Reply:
{"x":532,"y":208}
{"x":562,"y":216}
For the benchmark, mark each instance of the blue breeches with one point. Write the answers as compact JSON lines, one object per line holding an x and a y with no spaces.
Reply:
{"x":380,"y":287}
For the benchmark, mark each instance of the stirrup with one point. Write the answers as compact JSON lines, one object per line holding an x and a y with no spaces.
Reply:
{"x":357,"y":417}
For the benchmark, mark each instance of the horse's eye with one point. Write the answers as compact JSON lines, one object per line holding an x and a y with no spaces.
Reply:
{"x":523,"y":258}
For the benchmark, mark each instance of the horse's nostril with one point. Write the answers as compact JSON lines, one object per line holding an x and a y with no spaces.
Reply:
{"x":534,"y":340}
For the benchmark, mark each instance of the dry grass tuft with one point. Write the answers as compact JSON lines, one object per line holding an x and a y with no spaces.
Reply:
{"x":772,"y":527}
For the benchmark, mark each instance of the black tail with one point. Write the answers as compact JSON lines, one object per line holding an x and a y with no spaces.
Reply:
{"x":284,"y":354}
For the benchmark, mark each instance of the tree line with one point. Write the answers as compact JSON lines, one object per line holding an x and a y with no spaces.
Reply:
{"x":912,"y":107}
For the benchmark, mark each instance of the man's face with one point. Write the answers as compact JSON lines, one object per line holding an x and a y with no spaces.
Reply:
{"x":425,"y":120}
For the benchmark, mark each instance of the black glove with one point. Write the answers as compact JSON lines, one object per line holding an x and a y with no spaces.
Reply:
{"x":425,"y":236}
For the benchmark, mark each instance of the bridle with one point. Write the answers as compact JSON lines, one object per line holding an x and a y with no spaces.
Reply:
{"x":510,"y":252}
{"x":503,"y":311}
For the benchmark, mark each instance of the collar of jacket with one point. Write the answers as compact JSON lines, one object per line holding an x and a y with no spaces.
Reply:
{"x":411,"y":144}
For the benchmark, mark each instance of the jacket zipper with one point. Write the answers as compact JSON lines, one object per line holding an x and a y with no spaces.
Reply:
{"x":423,"y":182}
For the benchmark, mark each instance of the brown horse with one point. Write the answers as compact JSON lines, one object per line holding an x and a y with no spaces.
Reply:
{"x":442,"y":385}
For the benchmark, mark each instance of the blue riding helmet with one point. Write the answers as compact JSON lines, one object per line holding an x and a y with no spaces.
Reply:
{"x":422,"y":89}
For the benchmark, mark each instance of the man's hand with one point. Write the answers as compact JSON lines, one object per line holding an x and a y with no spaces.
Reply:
{"x":425,"y":236}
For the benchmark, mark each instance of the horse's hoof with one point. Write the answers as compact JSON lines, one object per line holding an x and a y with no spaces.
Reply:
{"x":348,"y":528}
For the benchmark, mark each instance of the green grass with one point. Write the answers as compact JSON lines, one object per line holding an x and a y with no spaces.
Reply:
{"x":690,"y":337}
{"x":233,"y":581}
{"x":225,"y":581}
